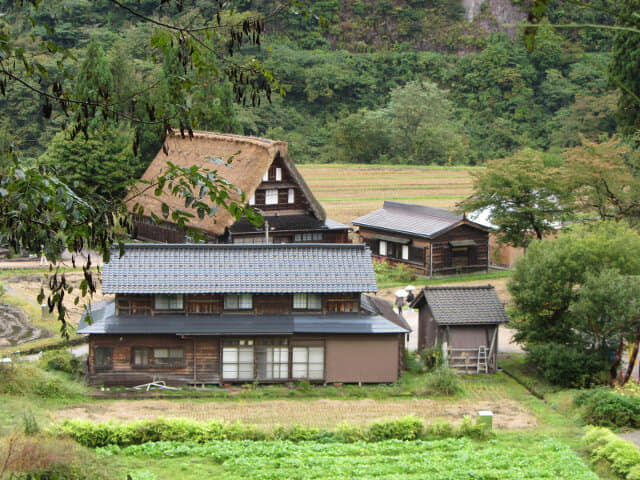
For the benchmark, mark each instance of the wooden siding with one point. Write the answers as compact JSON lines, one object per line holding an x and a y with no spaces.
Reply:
{"x":300,"y":202}
{"x":214,"y":304}
{"x":464,"y":341}
{"x":124,"y":373}
{"x":442,"y":260}
{"x":348,"y":358}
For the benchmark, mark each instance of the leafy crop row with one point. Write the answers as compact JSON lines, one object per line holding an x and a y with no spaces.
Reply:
{"x":91,"y":434}
{"x":622,"y":455}
{"x":446,"y":459}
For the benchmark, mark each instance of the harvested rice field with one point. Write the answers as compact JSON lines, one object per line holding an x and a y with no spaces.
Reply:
{"x":350,"y":191}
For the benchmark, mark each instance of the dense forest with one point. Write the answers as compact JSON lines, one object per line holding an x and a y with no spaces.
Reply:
{"x":414,"y":81}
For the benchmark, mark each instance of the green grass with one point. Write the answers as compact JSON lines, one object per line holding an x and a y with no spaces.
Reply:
{"x":368,"y":199}
{"x":395,"y":277}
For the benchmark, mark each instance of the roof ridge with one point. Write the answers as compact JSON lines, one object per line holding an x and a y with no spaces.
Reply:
{"x":355,"y":246}
{"x":460,"y":287}
{"x":425,"y":209}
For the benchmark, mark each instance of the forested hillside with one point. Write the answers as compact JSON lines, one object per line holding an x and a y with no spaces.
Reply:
{"x":415,"y":81}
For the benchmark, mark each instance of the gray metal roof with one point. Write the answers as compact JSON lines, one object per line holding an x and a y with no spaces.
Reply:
{"x":104,"y":321}
{"x":462,"y":305}
{"x":206,"y":268}
{"x":411,"y":219}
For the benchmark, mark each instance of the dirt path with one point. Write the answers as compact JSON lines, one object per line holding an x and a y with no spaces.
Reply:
{"x":508,"y":414}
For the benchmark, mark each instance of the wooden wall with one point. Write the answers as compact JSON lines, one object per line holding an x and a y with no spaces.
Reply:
{"x":442,"y":249}
{"x":127,"y":304}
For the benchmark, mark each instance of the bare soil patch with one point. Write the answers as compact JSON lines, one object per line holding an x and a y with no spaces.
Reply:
{"x":325,"y":413}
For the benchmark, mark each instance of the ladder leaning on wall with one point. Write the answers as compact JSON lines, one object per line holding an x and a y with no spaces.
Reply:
{"x":482,"y":360}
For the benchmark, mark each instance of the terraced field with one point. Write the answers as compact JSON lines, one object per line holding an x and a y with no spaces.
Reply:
{"x":350,"y":191}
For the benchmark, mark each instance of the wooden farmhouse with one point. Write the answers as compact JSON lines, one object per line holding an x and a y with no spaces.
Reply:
{"x":262,"y":169}
{"x":217,"y":314}
{"x":429,"y":240}
{"x":466,"y":319}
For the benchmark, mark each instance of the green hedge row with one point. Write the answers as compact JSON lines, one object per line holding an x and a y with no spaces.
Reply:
{"x":608,"y":409}
{"x":91,"y":434}
{"x":623,"y":456}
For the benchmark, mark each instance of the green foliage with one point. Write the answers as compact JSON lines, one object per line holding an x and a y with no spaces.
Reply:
{"x":177,"y":430}
{"x":442,"y":381}
{"x":608,"y":409}
{"x":61,"y":360}
{"x":540,"y":457}
{"x":567,"y":365}
{"x":388,"y":275}
{"x":30,"y":423}
{"x":623,"y":456}
{"x":19,"y":378}
{"x":408,"y":428}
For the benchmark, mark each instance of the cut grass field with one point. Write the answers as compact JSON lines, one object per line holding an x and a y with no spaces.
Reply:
{"x":349,"y":191}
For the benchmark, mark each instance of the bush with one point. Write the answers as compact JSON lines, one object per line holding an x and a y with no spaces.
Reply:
{"x":44,"y":457}
{"x":432,"y":357}
{"x":24,"y":378}
{"x":408,"y":428}
{"x":61,"y":361}
{"x":567,"y":365}
{"x":608,"y":409}
{"x":442,"y":381}
{"x":389,"y":274}
{"x":95,"y":435}
{"x":623,"y":456}
{"x":413,"y":362}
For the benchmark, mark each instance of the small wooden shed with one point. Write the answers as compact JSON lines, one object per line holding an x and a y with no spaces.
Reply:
{"x":466,"y":319}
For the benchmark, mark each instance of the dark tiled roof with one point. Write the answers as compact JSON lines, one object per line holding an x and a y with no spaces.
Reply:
{"x":383,"y":307}
{"x":411,"y":219}
{"x":104,"y":321}
{"x":206,"y":268}
{"x":287,"y":222}
{"x":462,"y":305}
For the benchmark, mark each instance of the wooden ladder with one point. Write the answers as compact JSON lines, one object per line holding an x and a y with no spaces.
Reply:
{"x":482,"y":360}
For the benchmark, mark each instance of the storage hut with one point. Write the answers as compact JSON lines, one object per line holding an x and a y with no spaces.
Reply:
{"x":466,"y":319}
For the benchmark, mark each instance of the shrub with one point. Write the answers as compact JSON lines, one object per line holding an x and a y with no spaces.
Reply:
{"x":567,"y":365}
{"x":348,"y":433}
{"x":389,"y":274}
{"x":442,"y":381}
{"x":24,"y":378}
{"x":41,"y":456}
{"x":470,"y":429}
{"x":432,"y":357}
{"x":413,"y":362}
{"x":31,"y":426}
{"x":608,"y":409}
{"x":408,"y":428}
{"x":62,"y":361}
{"x":623,"y":456}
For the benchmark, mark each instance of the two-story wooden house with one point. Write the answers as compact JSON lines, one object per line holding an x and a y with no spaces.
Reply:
{"x":205,"y":313}
{"x":263,"y":170}
{"x":427,"y":239}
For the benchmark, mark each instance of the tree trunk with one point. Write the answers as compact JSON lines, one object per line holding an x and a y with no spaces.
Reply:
{"x":632,"y":359}
{"x":613,"y":372}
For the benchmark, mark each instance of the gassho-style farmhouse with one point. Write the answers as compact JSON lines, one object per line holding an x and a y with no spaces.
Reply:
{"x":263,"y":170}
{"x":217,"y":314}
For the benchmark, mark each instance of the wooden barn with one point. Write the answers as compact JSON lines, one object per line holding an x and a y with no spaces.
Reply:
{"x":466,"y":319}
{"x":427,"y":239}
{"x":218,"y":314}
{"x":262,"y":169}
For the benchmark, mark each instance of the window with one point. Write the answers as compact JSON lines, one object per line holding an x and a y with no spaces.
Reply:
{"x":237,"y":359}
{"x":278,"y":174}
{"x":291,"y":196}
{"x":416,"y":254}
{"x":308,"y":237}
{"x":252,"y":200}
{"x":169,"y":302}
{"x":272,"y":359}
{"x":405,"y":252}
{"x":140,"y":357}
{"x":271,"y":197}
{"x":308,"y":363}
{"x":243,"y":301}
{"x":254,"y":239}
{"x":102,"y":358}
{"x":382,"y":248}
{"x":168,"y":357}
{"x":307,"y":301}
{"x":265,"y":177}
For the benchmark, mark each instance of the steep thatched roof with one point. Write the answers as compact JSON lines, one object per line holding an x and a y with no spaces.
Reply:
{"x":251,"y":158}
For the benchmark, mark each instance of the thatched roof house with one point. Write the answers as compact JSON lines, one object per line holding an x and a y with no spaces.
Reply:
{"x":262,"y":169}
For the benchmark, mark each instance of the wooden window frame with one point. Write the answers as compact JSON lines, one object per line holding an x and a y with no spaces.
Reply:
{"x":170,"y":298}
{"x":270,"y":193}
{"x":172,"y":362}
{"x":306,"y":297}
{"x":133,"y":357}
{"x":227,"y":303}
{"x":238,"y":343}
{"x":307,"y":362}
{"x":109,"y":364}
